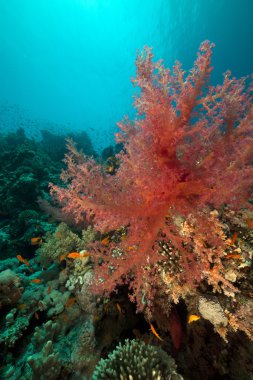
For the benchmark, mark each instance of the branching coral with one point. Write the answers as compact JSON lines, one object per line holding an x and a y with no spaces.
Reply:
{"x":190,"y":148}
{"x":136,"y":360}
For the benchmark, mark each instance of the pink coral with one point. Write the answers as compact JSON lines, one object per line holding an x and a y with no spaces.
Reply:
{"x":191,"y":147}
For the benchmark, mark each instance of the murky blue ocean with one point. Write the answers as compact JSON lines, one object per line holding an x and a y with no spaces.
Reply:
{"x":69,"y":62}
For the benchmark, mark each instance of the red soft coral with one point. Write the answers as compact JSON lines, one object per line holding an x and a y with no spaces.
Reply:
{"x":190,"y":147}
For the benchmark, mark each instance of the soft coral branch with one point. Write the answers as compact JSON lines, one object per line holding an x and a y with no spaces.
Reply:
{"x":190,"y":148}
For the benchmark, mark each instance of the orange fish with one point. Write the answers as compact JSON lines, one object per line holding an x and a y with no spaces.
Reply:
{"x":70,"y":302}
{"x":49,"y":290}
{"x":234,"y":238}
{"x":63,"y":257}
{"x":36,"y":280}
{"x":77,"y":255}
{"x":36,"y":240}
{"x":233,"y":256}
{"x":105,"y":241}
{"x":193,"y":318}
{"x":22,"y":260}
{"x":74,"y":255}
{"x":154,"y":331}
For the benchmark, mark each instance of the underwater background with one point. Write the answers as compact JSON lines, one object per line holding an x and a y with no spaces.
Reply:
{"x":69,"y":62}
{"x":126,"y":217}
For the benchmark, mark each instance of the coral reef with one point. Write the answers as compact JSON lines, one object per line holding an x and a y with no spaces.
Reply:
{"x":154,"y":245}
{"x":25,"y":170}
{"x":170,"y":186}
{"x":55,"y":145}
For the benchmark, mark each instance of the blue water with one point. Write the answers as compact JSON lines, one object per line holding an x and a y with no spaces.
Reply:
{"x":66,"y":64}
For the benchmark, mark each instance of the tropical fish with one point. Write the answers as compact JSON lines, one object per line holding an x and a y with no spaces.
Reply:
{"x":62,"y":257}
{"x":36,"y":280}
{"x":119,"y":308}
{"x":49,"y":290}
{"x":70,"y":302}
{"x":36,"y":240}
{"x":74,"y":255}
{"x":77,"y":255}
{"x":193,"y":318}
{"x":233,"y":256}
{"x":131,"y":248}
{"x":234,"y":238}
{"x":22,"y":260}
{"x":105,"y":241}
{"x":154,"y":331}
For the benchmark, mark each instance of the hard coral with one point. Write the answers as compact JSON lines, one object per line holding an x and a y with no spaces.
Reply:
{"x":190,"y":148}
{"x":137,"y":360}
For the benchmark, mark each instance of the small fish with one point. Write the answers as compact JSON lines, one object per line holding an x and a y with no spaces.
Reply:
{"x":22,"y":260}
{"x":233,"y":256}
{"x":154,"y":331}
{"x":36,"y":315}
{"x":63,"y":257}
{"x":193,"y":318}
{"x":105,"y":241}
{"x":74,"y":255}
{"x":70,"y":302}
{"x":36,"y":280}
{"x":49,"y":289}
{"x":119,"y":308}
{"x":36,"y":240}
{"x":234,"y":238}
{"x":21,"y":306}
